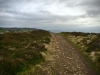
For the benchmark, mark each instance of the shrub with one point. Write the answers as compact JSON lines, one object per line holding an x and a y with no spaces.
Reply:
{"x":20,"y":51}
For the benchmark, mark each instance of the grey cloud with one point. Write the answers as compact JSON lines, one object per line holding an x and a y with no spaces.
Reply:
{"x":93,"y":13}
{"x":92,"y":7}
{"x":43,"y":17}
{"x":70,"y":3}
{"x":39,"y":18}
{"x":93,"y":3}
{"x":6,"y":5}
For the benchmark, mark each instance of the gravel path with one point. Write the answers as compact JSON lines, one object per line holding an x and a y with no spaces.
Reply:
{"x":68,"y":61}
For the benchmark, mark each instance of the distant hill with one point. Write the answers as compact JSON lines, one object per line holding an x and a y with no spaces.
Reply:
{"x":16,"y":29}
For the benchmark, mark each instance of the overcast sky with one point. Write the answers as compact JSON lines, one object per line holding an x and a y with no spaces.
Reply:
{"x":50,"y":14}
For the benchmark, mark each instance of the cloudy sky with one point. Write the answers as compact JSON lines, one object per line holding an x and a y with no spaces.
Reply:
{"x":71,"y":15}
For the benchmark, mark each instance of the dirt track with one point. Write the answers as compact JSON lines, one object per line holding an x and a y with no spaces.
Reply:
{"x":62,"y":59}
{"x":68,"y":61}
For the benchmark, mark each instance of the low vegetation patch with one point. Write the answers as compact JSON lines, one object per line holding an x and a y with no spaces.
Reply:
{"x":88,"y":44}
{"x":20,"y":51}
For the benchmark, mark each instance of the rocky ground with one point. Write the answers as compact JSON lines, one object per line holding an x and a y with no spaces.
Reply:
{"x":62,"y":59}
{"x":68,"y":61}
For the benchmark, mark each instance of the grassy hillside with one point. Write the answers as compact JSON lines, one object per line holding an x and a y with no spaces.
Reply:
{"x":20,"y":51}
{"x":88,"y":44}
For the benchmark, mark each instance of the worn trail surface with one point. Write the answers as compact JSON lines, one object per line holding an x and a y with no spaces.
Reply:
{"x":68,"y":61}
